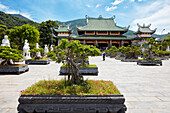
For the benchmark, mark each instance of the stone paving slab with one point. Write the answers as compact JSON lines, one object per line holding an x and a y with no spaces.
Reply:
{"x":146,"y":88}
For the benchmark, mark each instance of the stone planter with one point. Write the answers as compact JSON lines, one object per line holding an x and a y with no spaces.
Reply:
{"x":129,"y":60}
{"x":13,"y":69}
{"x":83,"y":70}
{"x":112,"y":56}
{"x":162,"y":58}
{"x":119,"y":58}
{"x":71,"y":104}
{"x":149,"y":63}
{"x":40,"y":62}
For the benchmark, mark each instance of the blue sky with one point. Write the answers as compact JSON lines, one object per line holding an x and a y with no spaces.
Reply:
{"x":127,"y":12}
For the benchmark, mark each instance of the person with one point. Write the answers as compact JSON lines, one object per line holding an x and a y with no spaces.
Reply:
{"x":103,"y":56}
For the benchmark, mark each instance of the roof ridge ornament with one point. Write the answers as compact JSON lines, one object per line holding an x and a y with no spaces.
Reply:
{"x":114,"y":17}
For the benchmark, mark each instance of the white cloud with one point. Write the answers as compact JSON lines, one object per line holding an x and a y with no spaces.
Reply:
{"x":157,"y":14}
{"x":9,"y":11}
{"x":140,"y":0}
{"x":132,"y":0}
{"x":88,"y":5}
{"x":98,"y":5}
{"x":2,"y":6}
{"x":116,"y":2}
{"x":110,"y":8}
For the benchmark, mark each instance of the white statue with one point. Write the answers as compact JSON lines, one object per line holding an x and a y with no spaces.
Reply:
{"x":26,"y":49}
{"x":38,"y":54}
{"x":168,"y":49}
{"x":5,"y":41}
{"x":51,"y":47}
{"x":46,"y":49}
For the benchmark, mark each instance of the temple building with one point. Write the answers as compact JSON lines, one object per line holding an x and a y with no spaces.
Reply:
{"x":144,"y":32}
{"x":63,"y":32}
{"x":103,"y":33}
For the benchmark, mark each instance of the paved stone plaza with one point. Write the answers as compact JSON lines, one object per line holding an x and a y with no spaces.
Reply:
{"x":146,"y":88}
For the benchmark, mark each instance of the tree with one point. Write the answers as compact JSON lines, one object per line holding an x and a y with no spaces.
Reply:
{"x":113,"y":51}
{"x":46,"y":29}
{"x":130,"y":52}
{"x":151,"y":48}
{"x":34,"y":51}
{"x":69,"y":52}
{"x":20,"y":33}
{"x":7,"y":54}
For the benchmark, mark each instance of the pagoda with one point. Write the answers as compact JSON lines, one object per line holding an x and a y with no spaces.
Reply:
{"x":144,"y":32}
{"x":103,"y":33}
{"x":63,"y":32}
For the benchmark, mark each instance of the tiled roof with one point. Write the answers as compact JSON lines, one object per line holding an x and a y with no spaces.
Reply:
{"x":63,"y":28}
{"x":145,"y":29}
{"x":101,"y":24}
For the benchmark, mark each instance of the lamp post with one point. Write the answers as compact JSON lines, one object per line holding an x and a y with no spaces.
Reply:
{"x":52,"y":35}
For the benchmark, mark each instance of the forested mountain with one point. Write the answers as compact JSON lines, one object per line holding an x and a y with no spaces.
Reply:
{"x":20,"y":16}
{"x":11,"y":21}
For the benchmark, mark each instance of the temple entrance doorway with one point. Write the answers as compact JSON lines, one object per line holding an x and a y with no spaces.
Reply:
{"x":102,"y":46}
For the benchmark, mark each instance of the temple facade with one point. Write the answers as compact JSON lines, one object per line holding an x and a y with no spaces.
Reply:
{"x":143,"y":33}
{"x":103,"y":33}
{"x":63,"y":32}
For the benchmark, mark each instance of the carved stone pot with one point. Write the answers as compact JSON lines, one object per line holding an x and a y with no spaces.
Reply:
{"x":83,"y":70}
{"x":149,"y":63}
{"x":13,"y":69}
{"x":40,"y":62}
{"x":71,"y":104}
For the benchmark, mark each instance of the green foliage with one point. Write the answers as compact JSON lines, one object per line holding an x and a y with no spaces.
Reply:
{"x":163,"y":53}
{"x":6,"y":53}
{"x":89,"y":65}
{"x":51,"y":55}
{"x":3,"y":31}
{"x":69,"y":52}
{"x":33,"y":51}
{"x":113,"y":51}
{"x":151,"y":48}
{"x":94,"y":87}
{"x":149,"y":59}
{"x":20,"y":33}
{"x":46,"y":30}
{"x":130,"y":52}
{"x":12,"y":21}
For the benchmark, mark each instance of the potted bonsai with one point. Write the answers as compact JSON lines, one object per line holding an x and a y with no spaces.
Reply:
{"x":121,"y":54}
{"x":74,"y":55}
{"x":72,"y":96}
{"x":131,"y":53}
{"x":113,"y":51}
{"x":8,"y":55}
{"x":37,"y":57}
{"x":150,"y":49}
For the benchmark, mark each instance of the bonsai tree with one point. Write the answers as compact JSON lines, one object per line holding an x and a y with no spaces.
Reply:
{"x":69,"y":52}
{"x":113,"y":51}
{"x":151,"y":48}
{"x":7,"y":54}
{"x":34,"y":51}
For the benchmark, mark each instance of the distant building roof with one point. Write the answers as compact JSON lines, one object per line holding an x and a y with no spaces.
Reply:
{"x":101,"y":24}
{"x":145,"y":29}
{"x":63,"y":28}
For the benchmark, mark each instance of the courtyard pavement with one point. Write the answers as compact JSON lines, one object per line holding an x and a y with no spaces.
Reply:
{"x":146,"y":88}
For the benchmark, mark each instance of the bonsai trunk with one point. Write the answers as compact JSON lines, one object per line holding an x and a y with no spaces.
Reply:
{"x":7,"y":62}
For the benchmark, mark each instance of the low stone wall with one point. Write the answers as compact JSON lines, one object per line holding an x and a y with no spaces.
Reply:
{"x":149,"y":63}
{"x":17,"y":70}
{"x":37,"y":62}
{"x":71,"y":104}
{"x":129,"y":60}
{"x":83,"y":70}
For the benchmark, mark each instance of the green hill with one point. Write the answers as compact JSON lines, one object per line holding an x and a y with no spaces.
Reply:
{"x":19,"y":16}
{"x":11,"y":21}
